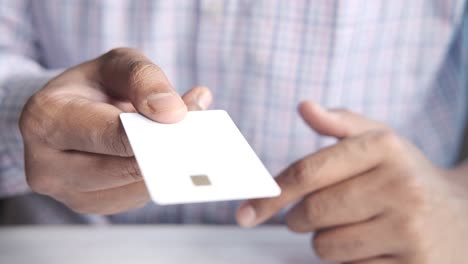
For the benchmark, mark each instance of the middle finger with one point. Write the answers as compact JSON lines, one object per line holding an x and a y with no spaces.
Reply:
{"x":354,"y":200}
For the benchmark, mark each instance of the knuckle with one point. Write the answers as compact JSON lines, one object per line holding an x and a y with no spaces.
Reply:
{"x":35,"y":120}
{"x":412,"y":189}
{"x":302,"y":172}
{"x":316,"y":210}
{"x":141,"y":70}
{"x":366,"y":145}
{"x":44,"y":116}
{"x":342,"y":197}
{"x":389,"y":140}
{"x":25,"y":121}
{"x":411,"y":229}
{"x":416,"y":196}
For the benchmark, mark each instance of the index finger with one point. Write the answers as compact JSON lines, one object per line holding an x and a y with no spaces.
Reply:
{"x":327,"y":167}
{"x":89,"y":126}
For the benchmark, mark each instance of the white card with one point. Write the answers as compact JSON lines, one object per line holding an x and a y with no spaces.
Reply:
{"x":199,"y":159}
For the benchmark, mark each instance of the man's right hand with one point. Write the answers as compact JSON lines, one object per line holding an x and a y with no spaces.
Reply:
{"x":75,"y":147}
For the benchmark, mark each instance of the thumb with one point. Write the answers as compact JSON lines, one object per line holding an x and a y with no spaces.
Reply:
{"x":128,"y":75}
{"x":337,"y":123}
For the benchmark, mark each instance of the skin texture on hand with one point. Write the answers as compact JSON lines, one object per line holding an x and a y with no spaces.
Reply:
{"x":76,"y":150}
{"x":372,"y":198}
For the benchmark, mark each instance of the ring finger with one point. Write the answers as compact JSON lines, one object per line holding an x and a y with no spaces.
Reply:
{"x":357,"y":242}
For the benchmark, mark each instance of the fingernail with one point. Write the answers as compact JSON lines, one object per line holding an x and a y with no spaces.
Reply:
{"x":204,"y":100}
{"x":160,"y":102}
{"x":246,"y":215}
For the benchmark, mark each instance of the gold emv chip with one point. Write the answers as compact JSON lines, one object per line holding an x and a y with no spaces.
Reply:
{"x":200,"y":180}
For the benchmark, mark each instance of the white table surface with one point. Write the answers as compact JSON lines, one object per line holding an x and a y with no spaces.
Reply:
{"x":153,"y":244}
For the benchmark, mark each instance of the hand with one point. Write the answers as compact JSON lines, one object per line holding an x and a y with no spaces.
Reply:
{"x":75,"y":147}
{"x":372,"y":198}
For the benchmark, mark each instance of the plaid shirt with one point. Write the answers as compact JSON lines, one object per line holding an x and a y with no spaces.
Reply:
{"x":399,"y":62}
